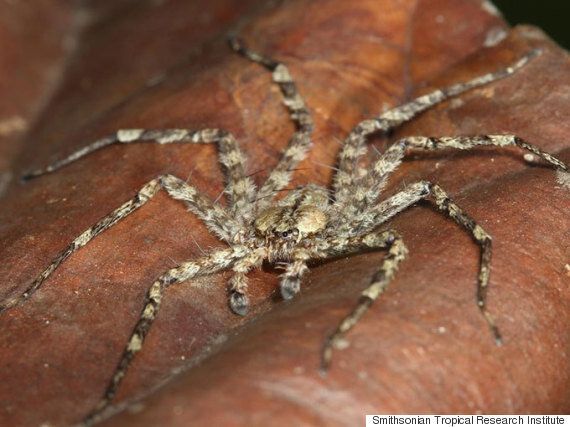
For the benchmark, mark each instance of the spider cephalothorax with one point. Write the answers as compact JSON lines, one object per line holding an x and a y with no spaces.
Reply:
{"x":287,"y":232}
{"x":302,"y":214}
{"x":310,"y":222}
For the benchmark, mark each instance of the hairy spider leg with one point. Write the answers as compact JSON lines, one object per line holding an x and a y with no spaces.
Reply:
{"x":280,"y":176}
{"x":307,"y":194}
{"x":397,"y":251}
{"x":380,"y":213}
{"x":290,"y":284}
{"x":212,"y":215}
{"x":392,"y":157}
{"x":347,"y":179}
{"x":209,"y":264}
{"x":239,"y":301}
{"x":398,"y":203}
{"x":300,"y":142}
{"x":240,"y":188}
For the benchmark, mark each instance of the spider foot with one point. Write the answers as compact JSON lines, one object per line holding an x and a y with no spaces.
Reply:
{"x":11,"y":302}
{"x":290,"y":286}
{"x":291,"y":280}
{"x":239,"y":303}
{"x":491,"y":322}
{"x":95,"y":416}
{"x":333,"y":342}
{"x":27,"y":176}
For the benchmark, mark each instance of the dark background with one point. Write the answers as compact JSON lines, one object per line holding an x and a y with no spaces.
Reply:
{"x":553,"y":16}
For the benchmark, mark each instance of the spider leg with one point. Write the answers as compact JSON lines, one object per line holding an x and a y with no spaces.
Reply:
{"x":239,"y":301}
{"x":310,"y":194}
{"x":208,"y":264}
{"x":346,"y":179}
{"x":396,"y":253}
{"x":393,"y":156}
{"x":291,"y":280}
{"x":483,"y":239}
{"x":301,"y":140}
{"x":241,"y":189}
{"x":385,"y":210}
{"x":211,"y":215}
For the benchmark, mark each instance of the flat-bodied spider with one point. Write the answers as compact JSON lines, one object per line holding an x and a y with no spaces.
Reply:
{"x":309,"y":222}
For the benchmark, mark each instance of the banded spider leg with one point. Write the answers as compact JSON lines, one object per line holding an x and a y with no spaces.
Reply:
{"x":228,"y":224}
{"x":357,"y":190}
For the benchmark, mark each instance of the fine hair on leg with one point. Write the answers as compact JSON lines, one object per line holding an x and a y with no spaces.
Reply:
{"x":396,"y":252}
{"x":240,"y":188}
{"x":346,"y":178}
{"x":300,"y":142}
{"x":209,"y":264}
{"x":215,"y":217}
{"x":393,"y":156}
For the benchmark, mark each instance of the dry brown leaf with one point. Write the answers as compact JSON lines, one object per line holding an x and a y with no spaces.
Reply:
{"x":423,"y":348}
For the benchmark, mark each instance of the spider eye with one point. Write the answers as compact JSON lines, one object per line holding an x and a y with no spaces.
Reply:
{"x":287,"y":234}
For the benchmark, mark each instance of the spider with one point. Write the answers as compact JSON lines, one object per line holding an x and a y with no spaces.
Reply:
{"x":309,"y":223}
